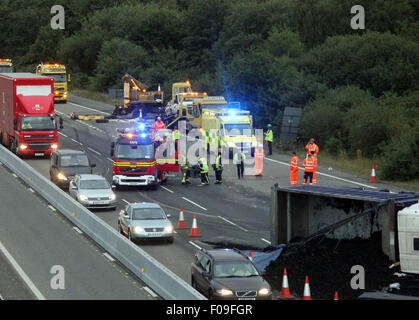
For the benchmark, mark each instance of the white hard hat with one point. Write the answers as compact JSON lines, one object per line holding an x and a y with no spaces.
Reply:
{"x":158,"y":118}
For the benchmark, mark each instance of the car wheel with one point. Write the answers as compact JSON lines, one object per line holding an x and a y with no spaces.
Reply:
{"x":170,"y":240}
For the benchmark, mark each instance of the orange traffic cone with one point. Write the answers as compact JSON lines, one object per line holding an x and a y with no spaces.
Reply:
{"x":373,"y":179}
{"x":159,"y":90}
{"x":181,"y":223}
{"x":250,"y":255}
{"x":194,"y":230}
{"x":285,"y":292}
{"x":336,"y":296}
{"x":307,"y":294}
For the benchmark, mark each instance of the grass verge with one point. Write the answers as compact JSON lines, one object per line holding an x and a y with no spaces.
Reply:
{"x":98,"y":96}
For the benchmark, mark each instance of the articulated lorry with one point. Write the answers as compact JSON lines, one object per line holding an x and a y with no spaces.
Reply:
{"x":28,"y":124}
{"x":6,"y":65}
{"x":59,"y":73}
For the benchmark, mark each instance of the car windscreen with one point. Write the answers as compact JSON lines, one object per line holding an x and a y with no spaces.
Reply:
{"x":228,"y":269}
{"x":237,"y":129}
{"x":135,"y":152}
{"x":94,"y":184}
{"x":41,"y":123}
{"x":58,"y":77}
{"x":148,"y":214}
{"x":74,"y":160}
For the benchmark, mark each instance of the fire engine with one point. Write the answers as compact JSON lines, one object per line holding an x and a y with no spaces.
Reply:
{"x":142,"y":157}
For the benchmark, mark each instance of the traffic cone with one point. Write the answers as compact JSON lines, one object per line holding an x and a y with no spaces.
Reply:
{"x":181,"y":223}
{"x":285,"y":292}
{"x":307,"y":295}
{"x":336,"y":296}
{"x":159,"y":90}
{"x":250,"y":255}
{"x":373,"y":179}
{"x":194,"y":230}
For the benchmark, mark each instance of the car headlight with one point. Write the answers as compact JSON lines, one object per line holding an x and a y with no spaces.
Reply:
{"x":112,"y":196}
{"x":168,"y":229}
{"x":264,"y":291}
{"x":225,"y":292}
{"x":138,"y":229}
{"x":82,"y":197}
{"x":54,"y":146}
{"x":61,"y":176}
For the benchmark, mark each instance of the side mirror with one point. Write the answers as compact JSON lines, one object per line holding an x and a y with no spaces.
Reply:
{"x":54,"y":166}
{"x":168,"y":215}
{"x":112,"y":149}
{"x":206,"y":274}
{"x":14,"y":124}
{"x":74,"y":187}
{"x":112,"y":152}
{"x":93,"y":165}
{"x":61,"y":123}
{"x":113,"y":186}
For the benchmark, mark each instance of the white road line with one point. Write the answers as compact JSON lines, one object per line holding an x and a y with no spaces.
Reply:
{"x":167,"y":189}
{"x":195,"y":245}
{"x":125,"y":201}
{"x":109,"y":257}
{"x":93,"y":150}
{"x":14,"y":175}
{"x":1,"y":297}
{"x":236,"y":225}
{"x":78,"y":230}
{"x":31,"y":190}
{"x":265,"y":240}
{"x":76,"y":141}
{"x":52,"y":208}
{"x":150,"y":291}
{"x":22,"y":273}
{"x":325,"y":174}
{"x":194,"y":203}
{"x":109,"y":159}
{"x":63,"y":134}
{"x":75,"y":104}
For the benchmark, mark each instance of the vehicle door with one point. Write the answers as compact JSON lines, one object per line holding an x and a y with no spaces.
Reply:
{"x":203,"y":279}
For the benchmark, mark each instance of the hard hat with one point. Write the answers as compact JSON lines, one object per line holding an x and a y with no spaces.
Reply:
{"x":269,"y":125}
{"x":158,"y":118}
{"x":312,"y":139}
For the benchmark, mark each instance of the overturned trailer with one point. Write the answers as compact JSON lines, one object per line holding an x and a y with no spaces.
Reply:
{"x":337,"y":212}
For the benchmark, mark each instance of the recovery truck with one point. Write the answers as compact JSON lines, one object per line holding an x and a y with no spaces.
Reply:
{"x":6,"y":65}
{"x":59,"y":74}
{"x":28,"y":123}
{"x":137,"y":159}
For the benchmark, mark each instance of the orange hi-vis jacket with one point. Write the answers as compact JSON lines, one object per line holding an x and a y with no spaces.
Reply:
{"x":259,"y":153}
{"x":312,"y":147}
{"x":308,"y":165}
{"x":294,"y":163}
{"x":159,"y":125}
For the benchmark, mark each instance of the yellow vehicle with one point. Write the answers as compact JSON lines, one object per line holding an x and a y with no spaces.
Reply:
{"x":6,"y":65}
{"x":59,"y":74}
{"x":228,"y":127}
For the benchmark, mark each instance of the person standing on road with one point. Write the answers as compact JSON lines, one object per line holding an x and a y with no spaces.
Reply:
{"x":259,"y":156}
{"x":204,"y":171}
{"x":159,"y":124}
{"x":311,"y":146}
{"x":308,"y":164}
{"x":294,"y":169}
{"x":186,"y":172}
{"x":269,"y":138}
{"x":239,"y":158}
{"x":314,"y":156}
{"x":218,"y":168}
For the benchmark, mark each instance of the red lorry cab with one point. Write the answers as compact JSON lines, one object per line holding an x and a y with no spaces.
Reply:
{"x":28,"y":123}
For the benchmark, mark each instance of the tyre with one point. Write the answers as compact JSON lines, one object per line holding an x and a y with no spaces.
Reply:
{"x":170,"y":240}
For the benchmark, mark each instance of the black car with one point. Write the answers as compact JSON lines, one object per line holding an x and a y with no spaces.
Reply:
{"x":66,"y":163}
{"x":228,"y":274}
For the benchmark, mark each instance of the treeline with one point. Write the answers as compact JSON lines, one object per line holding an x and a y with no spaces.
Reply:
{"x":358,"y":88}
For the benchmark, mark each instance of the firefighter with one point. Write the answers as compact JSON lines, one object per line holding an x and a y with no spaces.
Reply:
{"x":311,"y":146}
{"x":269,"y":139}
{"x":308,"y":164}
{"x":186,"y":172}
{"x":314,"y":156}
{"x":175,"y":137}
{"x":218,"y":168}
{"x":159,"y":124}
{"x":294,"y":169}
{"x":239,"y":158}
{"x":259,"y":156}
{"x":204,"y":171}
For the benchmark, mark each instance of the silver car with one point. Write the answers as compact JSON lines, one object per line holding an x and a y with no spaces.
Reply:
{"x":145,"y":220}
{"x":92,"y":191}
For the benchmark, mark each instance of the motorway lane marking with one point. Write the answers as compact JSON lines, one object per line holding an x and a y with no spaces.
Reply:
{"x":75,"y":104}
{"x":325,"y":174}
{"x":109,"y":159}
{"x":78,"y":230}
{"x":265,"y":240}
{"x":22,"y":273}
{"x":14,"y":175}
{"x":150,"y":291}
{"x":52,"y":208}
{"x":167,"y":189}
{"x":195,"y":245}
{"x":76,"y":141}
{"x":93,"y":150}
{"x":109,"y":257}
{"x":125,"y":201}
{"x":31,"y":190}
{"x":234,"y":224}
{"x":66,"y":115}
{"x":194,"y":203}
{"x":63,"y":134}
